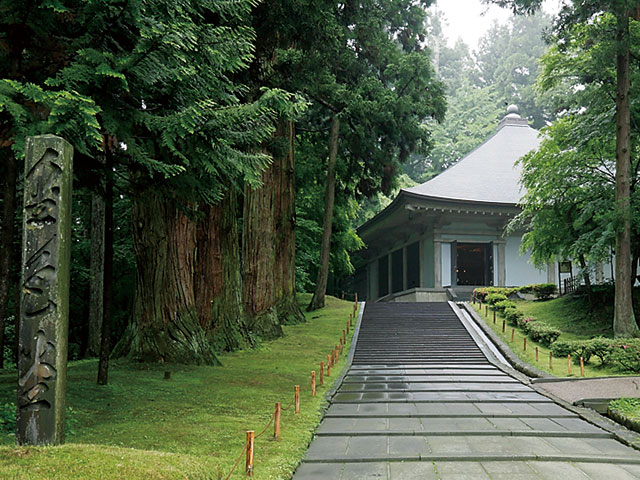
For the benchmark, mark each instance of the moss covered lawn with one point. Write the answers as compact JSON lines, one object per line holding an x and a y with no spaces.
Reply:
{"x":192,"y":426}
{"x":569,"y":315}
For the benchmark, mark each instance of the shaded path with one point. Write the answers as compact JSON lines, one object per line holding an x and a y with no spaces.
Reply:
{"x":421,"y":401}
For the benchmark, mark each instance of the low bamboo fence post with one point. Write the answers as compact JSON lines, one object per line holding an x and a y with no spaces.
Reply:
{"x":504,"y":325}
{"x":550,"y":360}
{"x":321,"y":373}
{"x":494,"y":316}
{"x":313,"y":383}
{"x":537,"y":359}
{"x":296,"y":397}
{"x":344,"y":337}
{"x":513,"y":333}
{"x":569,"y":364}
{"x":249,"y":462}
{"x":581,"y":367}
{"x":276,"y":420}
{"x":524,"y":344}
{"x":486,"y":310}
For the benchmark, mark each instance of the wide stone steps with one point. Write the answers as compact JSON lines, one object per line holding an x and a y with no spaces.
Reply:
{"x":421,"y":401}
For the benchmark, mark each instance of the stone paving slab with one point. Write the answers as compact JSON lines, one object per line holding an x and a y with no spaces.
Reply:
{"x":449,"y":396}
{"x":490,"y":470}
{"x":429,"y":378}
{"x":543,"y":409}
{"x":436,"y":386}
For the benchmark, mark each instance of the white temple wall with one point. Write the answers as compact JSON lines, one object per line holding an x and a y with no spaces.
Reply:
{"x":446,"y":264}
{"x":519,"y":268}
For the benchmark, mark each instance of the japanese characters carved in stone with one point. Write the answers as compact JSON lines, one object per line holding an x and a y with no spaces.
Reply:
{"x":42,"y":353}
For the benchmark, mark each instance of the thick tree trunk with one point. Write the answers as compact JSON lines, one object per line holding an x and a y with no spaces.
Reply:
{"x":105,"y":290}
{"x":285,"y":230}
{"x":218,"y":281}
{"x":317,"y":301}
{"x":624,"y":323}
{"x":7,"y":232}
{"x":165,"y":326}
{"x":96,"y":278}
{"x":258,"y":255}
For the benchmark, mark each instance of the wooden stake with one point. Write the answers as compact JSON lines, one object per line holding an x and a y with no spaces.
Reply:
{"x":348,"y":328}
{"x":296,"y":397}
{"x":581,"y":367}
{"x":524,"y":344}
{"x":494,"y":316}
{"x":551,"y":360}
{"x":537,"y":359}
{"x":329,"y":358}
{"x":328,"y":370}
{"x":313,"y":383}
{"x":321,"y":373}
{"x":356,"y":298}
{"x":513,"y":332}
{"x":569,"y":364}
{"x":504,"y":325}
{"x":344,"y":337}
{"x":486,"y":310}
{"x":249,"y":464}
{"x":351,"y":319}
{"x":473,"y":297}
{"x":276,"y":421}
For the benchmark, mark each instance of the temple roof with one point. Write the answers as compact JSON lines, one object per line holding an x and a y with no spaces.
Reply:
{"x":488,"y":174}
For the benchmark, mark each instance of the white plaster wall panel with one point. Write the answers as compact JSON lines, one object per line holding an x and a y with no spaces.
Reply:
{"x":520,"y":269}
{"x":446,"y":264}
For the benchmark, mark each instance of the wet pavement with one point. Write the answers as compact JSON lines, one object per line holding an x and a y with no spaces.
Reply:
{"x":421,"y":400}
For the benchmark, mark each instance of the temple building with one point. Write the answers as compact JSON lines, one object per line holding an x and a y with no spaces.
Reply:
{"x":447,"y":235}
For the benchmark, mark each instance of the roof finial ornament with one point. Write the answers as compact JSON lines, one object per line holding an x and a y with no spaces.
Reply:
{"x":512,"y":109}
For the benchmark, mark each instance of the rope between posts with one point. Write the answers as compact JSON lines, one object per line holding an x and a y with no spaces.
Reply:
{"x":265,"y":428}
{"x":282,"y":409}
{"x":288,"y":406}
{"x":244,"y":449}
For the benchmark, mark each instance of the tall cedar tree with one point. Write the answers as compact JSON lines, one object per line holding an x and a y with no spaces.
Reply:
{"x":153,"y":78}
{"x":624,"y":322}
{"x":377,"y":94}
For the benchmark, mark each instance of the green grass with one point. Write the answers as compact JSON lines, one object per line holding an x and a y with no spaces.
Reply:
{"x":629,"y":407}
{"x":561,"y":314}
{"x":192,"y":426}
{"x":572,"y":316}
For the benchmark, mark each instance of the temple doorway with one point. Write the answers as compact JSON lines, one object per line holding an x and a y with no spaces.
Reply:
{"x":473,"y":263}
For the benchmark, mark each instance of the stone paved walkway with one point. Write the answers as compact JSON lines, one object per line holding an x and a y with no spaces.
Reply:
{"x":421,"y":401}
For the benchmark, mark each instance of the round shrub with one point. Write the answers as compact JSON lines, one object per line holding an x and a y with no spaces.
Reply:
{"x":494,"y":298}
{"x":503,"y":304}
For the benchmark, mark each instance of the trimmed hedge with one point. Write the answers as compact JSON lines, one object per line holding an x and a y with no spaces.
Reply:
{"x":513,"y":316}
{"x":543,"y":333}
{"x":494,"y":298}
{"x":504,"y":304}
{"x":543,"y":291}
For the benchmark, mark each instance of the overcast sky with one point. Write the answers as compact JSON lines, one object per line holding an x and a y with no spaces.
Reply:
{"x":470,"y":19}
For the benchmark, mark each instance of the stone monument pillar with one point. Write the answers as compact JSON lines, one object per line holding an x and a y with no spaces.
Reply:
{"x":44,"y":313}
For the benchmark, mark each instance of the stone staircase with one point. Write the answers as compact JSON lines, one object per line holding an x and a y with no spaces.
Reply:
{"x":421,"y":401}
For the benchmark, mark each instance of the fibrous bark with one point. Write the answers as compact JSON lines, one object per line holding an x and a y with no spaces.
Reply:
{"x":164,"y":326}
{"x":317,"y":301}
{"x":96,"y":278}
{"x":258,"y":256}
{"x":7,"y":232}
{"x":624,"y":322}
{"x":218,"y":282}
{"x":105,"y":292}
{"x":285,"y":224}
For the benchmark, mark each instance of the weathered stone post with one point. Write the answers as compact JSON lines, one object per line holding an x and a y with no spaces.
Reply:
{"x":44,"y":318}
